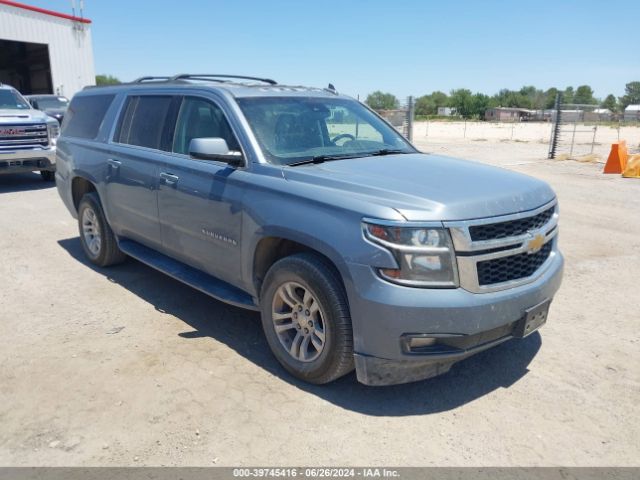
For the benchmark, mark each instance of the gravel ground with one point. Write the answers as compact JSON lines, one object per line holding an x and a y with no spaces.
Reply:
{"x":125,"y":366}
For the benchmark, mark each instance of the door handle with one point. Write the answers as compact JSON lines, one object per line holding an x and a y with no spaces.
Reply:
{"x":169,"y":179}
{"x":114,"y":163}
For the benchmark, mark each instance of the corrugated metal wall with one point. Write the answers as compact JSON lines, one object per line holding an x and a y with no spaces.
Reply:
{"x":70,"y":49}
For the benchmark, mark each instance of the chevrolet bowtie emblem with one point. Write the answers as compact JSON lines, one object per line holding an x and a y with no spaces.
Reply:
{"x":535,"y":244}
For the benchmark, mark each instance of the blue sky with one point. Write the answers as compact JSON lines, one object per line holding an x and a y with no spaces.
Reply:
{"x":407,"y":47}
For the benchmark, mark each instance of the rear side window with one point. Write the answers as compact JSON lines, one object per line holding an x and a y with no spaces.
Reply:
{"x":85,"y":115}
{"x":143,"y":120}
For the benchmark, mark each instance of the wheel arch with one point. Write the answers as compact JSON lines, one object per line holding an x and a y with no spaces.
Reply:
{"x":80,"y":186}
{"x":280,"y":244}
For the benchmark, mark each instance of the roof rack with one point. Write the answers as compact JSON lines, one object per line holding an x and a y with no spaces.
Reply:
{"x":215,"y":77}
{"x":151,"y":79}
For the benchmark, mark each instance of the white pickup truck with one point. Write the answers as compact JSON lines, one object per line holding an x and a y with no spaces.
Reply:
{"x":27,"y":136}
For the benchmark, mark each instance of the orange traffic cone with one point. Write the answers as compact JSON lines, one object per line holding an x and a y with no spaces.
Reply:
{"x":632,"y":170}
{"x":617,"y":160}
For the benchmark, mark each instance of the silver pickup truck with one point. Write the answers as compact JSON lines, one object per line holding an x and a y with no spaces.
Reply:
{"x":27,"y":136}
{"x":358,"y":250}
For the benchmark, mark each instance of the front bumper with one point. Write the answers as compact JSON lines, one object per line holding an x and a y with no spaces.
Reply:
{"x":17,"y":161}
{"x":383,"y":313}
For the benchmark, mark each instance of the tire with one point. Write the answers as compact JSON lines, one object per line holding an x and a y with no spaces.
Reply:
{"x":93,"y":225}
{"x":48,"y":175}
{"x":304,"y":293}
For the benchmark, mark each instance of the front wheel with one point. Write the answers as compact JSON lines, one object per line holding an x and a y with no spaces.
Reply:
{"x":305,"y":317}
{"x":97,"y":238}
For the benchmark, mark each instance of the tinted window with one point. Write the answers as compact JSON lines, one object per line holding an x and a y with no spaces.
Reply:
{"x":85,"y":115}
{"x":143,"y":121}
{"x":51,"y":102}
{"x":201,"y":119}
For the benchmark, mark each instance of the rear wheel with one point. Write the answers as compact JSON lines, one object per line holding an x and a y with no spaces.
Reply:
{"x":305,"y":317}
{"x":97,"y":238}
{"x":48,"y":175}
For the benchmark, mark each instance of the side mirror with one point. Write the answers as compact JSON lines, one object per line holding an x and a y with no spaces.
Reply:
{"x":214,"y":149}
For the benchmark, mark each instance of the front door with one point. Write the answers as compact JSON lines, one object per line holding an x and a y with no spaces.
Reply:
{"x":200,"y":201}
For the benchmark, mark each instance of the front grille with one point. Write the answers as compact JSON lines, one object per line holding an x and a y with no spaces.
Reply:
{"x":23,"y":136}
{"x":514,"y":267}
{"x":511,"y":228}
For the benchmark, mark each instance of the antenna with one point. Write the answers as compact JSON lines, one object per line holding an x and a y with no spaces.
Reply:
{"x":77,"y":23}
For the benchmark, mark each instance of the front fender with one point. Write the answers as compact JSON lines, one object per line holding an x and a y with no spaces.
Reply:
{"x":334,"y":233}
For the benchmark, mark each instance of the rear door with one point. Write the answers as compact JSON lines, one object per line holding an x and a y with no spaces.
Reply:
{"x":200,"y":201}
{"x":139,"y":148}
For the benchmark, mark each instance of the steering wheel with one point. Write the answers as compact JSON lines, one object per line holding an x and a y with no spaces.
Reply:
{"x":341,"y":136}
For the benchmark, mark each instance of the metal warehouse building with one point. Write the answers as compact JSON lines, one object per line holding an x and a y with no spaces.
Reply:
{"x":42,"y":51}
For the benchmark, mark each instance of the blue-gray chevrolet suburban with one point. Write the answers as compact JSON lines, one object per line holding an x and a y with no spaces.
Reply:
{"x":303,"y":204}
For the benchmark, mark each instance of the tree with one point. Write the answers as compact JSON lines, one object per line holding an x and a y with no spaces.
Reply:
{"x":531,"y":97}
{"x":107,"y":80}
{"x":632,"y":95}
{"x":567,"y":95}
{"x":550,"y":98}
{"x":424,"y":106}
{"x":382,"y":101}
{"x":611,"y":103}
{"x":429,"y":104}
{"x":479,"y":104}
{"x":584,"y":96}
{"x":462,"y":100}
{"x":439,"y":99}
{"x":511,"y":98}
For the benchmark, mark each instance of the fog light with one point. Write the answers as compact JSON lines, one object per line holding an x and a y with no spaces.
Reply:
{"x":420,"y":342}
{"x":390,"y":272}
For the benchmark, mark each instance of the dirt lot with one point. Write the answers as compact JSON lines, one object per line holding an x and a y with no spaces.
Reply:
{"x":126,"y":366}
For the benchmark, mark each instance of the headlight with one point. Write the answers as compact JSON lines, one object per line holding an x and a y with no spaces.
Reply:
{"x":424,"y":255}
{"x":54,"y":132}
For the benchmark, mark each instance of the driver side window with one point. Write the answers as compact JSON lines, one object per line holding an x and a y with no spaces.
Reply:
{"x":199,"y":118}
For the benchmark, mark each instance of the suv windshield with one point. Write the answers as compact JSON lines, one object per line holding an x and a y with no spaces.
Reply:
{"x":12,"y":100}
{"x":295,"y":129}
{"x":45,"y":103}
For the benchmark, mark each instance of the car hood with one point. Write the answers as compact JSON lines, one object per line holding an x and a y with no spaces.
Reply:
{"x":428,"y":187}
{"x":22,"y":116}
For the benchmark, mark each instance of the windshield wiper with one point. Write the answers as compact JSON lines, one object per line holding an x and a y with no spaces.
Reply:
{"x":321,"y":159}
{"x":386,"y":151}
{"x":328,"y":158}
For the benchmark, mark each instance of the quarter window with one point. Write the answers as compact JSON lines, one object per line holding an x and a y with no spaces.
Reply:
{"x":200,"y":118}
{"x":143,"y":121}
{"x":85,"y":115}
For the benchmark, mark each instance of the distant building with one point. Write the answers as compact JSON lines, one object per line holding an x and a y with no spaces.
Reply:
{"x":571,"y":115}
{"x":598,"y":115}
{"x":508,"y":114}
{"x":446,"y":111}
{"x":632,"y":113}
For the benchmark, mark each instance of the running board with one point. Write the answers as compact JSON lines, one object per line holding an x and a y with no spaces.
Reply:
{"x":193,"y":277}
